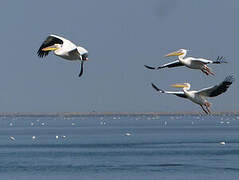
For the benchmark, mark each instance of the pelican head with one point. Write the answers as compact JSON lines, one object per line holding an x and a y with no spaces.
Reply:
{"x":52,"y":48}
{"x":180,"y":52}
{"x":185,"y":86}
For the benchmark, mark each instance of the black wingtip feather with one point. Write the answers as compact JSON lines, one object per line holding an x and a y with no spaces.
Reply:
{"x":219,"y":60}
{"x":229,"y":80}
{"x":156,"y":88}
{"x":223,"y":86}
{"x":49,"y":41}
{"x":149,"y":67}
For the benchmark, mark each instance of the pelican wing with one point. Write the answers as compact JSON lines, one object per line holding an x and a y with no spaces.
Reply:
{"x":201,"y":60}
{"x":176,"y":63}
{"x":50,"y":40}
{"x":78,"y":53}
{"x":217,"y":89}
{"x":177,"y":93}
{"x":74,"y":53}
{"x":219,"y":60}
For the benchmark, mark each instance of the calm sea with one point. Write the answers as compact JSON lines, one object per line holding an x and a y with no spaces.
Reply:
{"x":118,"y":147}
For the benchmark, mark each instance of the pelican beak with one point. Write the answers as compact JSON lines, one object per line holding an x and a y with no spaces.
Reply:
{"x":179,"y":85}
{"x":50,"y":48}
{"x":175,"y":53}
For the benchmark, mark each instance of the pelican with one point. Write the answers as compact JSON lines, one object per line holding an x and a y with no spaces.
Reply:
{"x":63,"y":48}
{"x":190,"y":62}
{"x":199,"y":97}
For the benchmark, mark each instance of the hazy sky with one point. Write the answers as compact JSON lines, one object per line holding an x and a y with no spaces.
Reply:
{"x":121,"y":37}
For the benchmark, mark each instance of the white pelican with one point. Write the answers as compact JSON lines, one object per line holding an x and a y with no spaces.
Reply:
{"x":199,"y":97}
{"x":63,"y":48}
{"x":190,"y":62}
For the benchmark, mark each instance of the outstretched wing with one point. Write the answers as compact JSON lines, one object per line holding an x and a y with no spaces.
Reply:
{"x":219,"y":60}
{"x":201,"y":61}
{"x":50,"y":41}
{"x":176,"y":63}
{"x":217,"y":89}
{"x":177,"y":93}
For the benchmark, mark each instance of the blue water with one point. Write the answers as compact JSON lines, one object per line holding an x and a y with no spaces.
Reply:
{"x":119,"y":147}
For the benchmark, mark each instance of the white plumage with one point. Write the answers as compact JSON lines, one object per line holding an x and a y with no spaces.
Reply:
{"x":63,"y":48}
{"x":190,"y":62}
{"x":200,"y":97}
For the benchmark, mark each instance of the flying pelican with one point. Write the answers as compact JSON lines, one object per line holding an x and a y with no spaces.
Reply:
{"x":63,"y":48}
{"x":190,"y":62}
{"x":199,"y":97}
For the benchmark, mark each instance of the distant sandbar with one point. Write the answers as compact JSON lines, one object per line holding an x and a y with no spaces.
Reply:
{"x":113,"y":113}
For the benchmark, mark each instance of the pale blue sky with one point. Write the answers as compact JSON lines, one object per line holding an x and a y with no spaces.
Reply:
{"x":121,"y":37}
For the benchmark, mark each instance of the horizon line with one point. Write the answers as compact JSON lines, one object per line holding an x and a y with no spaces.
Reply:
{"x":111,"y":113}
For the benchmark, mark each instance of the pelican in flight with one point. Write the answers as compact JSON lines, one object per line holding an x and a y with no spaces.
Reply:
{"x":199,"y":97}
{"x":63,"y":48}
{"x":190,"y":62}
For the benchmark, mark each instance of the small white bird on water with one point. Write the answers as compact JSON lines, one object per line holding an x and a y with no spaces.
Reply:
{"x":12,"y":138}
{"x":127,"y":134}
{"x":190,"y":62}
{"x":64,"y":49}
{"x":223,"y":143}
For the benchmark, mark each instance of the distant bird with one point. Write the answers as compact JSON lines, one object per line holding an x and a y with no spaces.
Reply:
{"x":127,"y":134}
{"x":12,"y":138}
{"x":63,"y":48}
{"x":199,"y":97}
{"x":190,"y":62}
{"x":222,"y":143}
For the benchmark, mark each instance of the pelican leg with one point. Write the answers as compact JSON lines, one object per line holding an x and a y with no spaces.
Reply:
{"x":204,"y":71}
{"x":207,"y":105}
{"x":208,"y":109}
{"x":204,"y":109}
{"x":209,"y":70}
